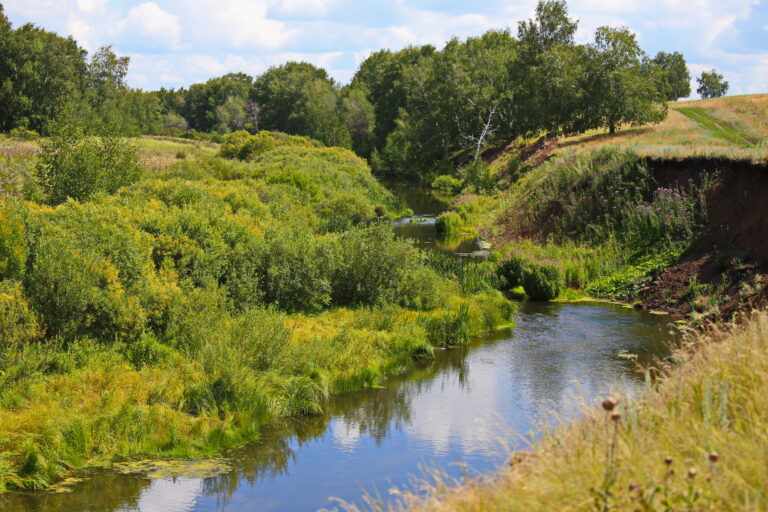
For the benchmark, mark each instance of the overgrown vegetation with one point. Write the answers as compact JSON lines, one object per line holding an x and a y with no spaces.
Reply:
{"x":602,"y":221}
{"x":177,"y":312}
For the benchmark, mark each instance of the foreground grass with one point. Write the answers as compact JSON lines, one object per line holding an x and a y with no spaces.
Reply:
{"x":694,"y":442}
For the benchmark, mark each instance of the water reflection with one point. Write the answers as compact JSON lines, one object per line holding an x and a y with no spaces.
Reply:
{"x":456,"y":410}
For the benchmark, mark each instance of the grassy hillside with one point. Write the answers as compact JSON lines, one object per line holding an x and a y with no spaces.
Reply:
{"x":735,"y":127}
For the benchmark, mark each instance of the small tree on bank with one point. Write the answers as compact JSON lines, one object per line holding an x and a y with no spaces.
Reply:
{"x":712,"y":85}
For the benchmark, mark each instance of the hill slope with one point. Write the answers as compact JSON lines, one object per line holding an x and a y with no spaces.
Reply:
{"x":735,"y":127}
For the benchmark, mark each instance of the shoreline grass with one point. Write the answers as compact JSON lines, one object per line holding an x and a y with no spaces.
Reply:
{"x":695,"y":441}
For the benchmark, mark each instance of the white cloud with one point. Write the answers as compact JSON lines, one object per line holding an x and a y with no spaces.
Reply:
{"x":91,"y":6}
{"x":152,"y":24}
{"x":301,"y":8}
{"x":82,"y":31}
{"x":242,"y":24}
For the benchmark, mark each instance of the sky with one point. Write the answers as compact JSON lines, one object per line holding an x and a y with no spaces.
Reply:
{"x":176,"y":43}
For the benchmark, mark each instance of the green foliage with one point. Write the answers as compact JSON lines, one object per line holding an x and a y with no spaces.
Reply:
{"x":621,"y":90}
{"x":627,"y":282}
{"x":479,"y":177}
{"x":676,"y":79}
{"x":75,"y":166}
{"x":300,"y":99}
{"x":450,"y":224}
{"x":447,"y":184}
{"x":512,"y":273}
{"x":21,"y":133}
{"x":200,"y":105}
{"x":242,"y":145}
{"x":13,"y":243}
{"x":40,"y":71}
{"x":541,"y":282}
{"x":712,"y":85}
{"x":605,"y":195}
{"x":18,"y":322}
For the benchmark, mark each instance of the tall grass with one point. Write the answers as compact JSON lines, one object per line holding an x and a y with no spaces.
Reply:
{"x":694,"y":441}
{"x":603,"y":220}
{"x":181,"y":314}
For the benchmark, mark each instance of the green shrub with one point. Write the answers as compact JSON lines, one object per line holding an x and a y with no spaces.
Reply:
{"x":449,"y":224}
{"x":447,"y":184}
{"x":18,"y":323}
{"x":512,"y":273}
{"x":242,"y":145}
{"x":541,"y":283}
{"x":372,"y":267}
{"x":343,"y":211}
{"x":295,"y":270}
{"x":75,"y":166}
{"x":13,"y":242}
{"x":479,"y":176}
{"x":24,"y":134}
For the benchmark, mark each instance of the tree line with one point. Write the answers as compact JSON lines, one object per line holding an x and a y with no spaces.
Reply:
{"x":417,"y":111}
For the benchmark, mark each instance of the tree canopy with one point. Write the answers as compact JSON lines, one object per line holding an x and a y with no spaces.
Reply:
{"x":712,"y":85}
{"x":417,"y":111}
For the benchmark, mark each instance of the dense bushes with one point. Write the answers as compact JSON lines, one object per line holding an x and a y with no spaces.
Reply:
{"x":206,"y":300}
{"x":18,"y":322}
{"x":13,"y":243}
{"x":609,"y":194}
{"x":77,"y":167}
{"x":540,"y":282}
{"x":244,"y":146}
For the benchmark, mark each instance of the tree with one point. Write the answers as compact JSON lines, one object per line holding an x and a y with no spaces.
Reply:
{"x":237,"y":114}
{"x":106,"y":74}
{"x":300,"y":99}
{"x":381,"y":75}
{"x":360,"y":118}
{"x":675,"y":79}
{"x":201,"y":102}
{"x":551,"y":27}
{"x":547,"y":70}
{"x":41,"y":73}
{"x":712,"y":85}
{"x":619,"y":88}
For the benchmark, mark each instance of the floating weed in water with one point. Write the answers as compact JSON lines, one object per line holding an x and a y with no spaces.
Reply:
{"x":159,"y":469}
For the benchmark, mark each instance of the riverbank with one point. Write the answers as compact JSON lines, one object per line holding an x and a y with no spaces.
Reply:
{"x":459,"y":406}
{"x":207,"y":299}
{"x":679,"y":231}
{"x":693,"y":442}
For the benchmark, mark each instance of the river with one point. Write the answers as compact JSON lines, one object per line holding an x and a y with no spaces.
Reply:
{"x":461,"y":414}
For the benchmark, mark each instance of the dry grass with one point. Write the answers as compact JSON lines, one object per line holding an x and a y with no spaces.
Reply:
{"x":698,"y":441}
{"x":681,"y":137}
{"x":155,"y":153}
{"x":158,"y":153}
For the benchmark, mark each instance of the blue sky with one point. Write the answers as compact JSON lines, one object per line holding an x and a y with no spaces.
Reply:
{"x":178,"y":42}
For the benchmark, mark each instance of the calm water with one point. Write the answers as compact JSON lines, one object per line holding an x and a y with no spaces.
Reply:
{"x":462,"y":413}
{"x":452,"y":414}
